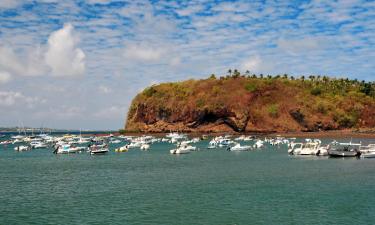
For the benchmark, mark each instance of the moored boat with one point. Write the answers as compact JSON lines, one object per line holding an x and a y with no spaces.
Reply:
{"x":238,"y":147}
{"x":337,"y":149}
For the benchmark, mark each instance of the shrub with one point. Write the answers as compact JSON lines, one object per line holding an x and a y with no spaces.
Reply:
{"x":149,"y":91}
{"x":213,"y":77}
{"x":316,"y":91}
{"x":251,"y":87}
{"x":321,"y":108}
{"x":273,"y":110}
{"x":200,"y":103}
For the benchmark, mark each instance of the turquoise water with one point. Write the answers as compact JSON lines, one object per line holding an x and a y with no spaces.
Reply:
{"x":205,"y":187}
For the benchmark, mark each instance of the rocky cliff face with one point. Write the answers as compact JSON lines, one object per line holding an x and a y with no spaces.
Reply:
{"x":251,"y":104}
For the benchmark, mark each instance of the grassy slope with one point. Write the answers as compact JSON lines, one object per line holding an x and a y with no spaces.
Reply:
{"x":253,"y":104}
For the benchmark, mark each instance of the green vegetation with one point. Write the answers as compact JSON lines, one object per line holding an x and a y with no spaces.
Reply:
{"x":251,"y":87}
{"x":273,"y":110}
{"x":334,"y":103}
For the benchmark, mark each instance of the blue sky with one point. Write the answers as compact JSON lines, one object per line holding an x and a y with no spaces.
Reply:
{"x":78,"y":64}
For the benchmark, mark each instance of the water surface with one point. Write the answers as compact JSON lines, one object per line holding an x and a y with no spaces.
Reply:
{"x":206,"y":187}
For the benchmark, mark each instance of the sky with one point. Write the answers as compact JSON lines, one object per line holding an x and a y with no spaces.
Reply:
{"x":78,"y":64}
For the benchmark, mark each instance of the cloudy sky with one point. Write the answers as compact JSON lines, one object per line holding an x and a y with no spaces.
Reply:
{"x":78,"y":64}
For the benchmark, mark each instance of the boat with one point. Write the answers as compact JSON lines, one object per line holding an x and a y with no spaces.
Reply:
{"x":259,"y":144}
{"x":115,"y":141}
{"x":367,"y":151}
{"x":368,"y":155}
{"x":145,"y":147}
{"x":98,"y":148}
{"x":183,"y":149}
{"x":98,"y":151}
{"x":323,"y":151}
{"x":38,"y":144}
{"x":7,"y":142}
{"x":309,"y":148}
{"x":238,"y":147}
{"x":22,"y":148}
{"x":67,"y":148}
{"x":337,"y":149}
{"x":122,"y":149}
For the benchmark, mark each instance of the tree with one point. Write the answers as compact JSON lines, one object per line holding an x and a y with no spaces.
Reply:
{"x":247,"y":72}
{"x":236,"y":73}
{"x":230,"y":72}
{"x":213,"y":77}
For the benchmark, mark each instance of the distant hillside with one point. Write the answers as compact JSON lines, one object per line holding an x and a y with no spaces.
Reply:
{"x":254,"y":103}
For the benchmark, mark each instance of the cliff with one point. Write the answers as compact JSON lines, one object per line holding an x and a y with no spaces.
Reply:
{"x":251,"y":104}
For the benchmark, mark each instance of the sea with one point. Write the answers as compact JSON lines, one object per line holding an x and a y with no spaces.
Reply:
{"x":265,"y":186}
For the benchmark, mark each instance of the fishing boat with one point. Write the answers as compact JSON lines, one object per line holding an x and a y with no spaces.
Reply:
{"x":238,"y":147}
{"x":337,"y":149}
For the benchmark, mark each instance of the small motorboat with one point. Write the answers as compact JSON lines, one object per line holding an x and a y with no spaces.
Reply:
{"x":145,"y":147}
{"x":184,"y":149}
{"x":337,"y":149}
{"x":22,"y":148}
{"x":98,"y":148}
{"x":68,"y":149}
{"x":99,"y":151}
{"x":368,"y":155}
{"x":8,"y":142}
{"x":122,"y":149}
{"x":238,"y":147}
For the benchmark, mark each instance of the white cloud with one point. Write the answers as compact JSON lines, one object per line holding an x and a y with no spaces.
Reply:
{"x":10,"y":98}
{"x":104,"y":89}
{"x":302,"y":45}
{"x":9,"y":3}
{"x":141,"y":52}
{"x":253,"y":64}
{"x":64,"y":58}
{"x":111,"y":112}
{"x":4,"y":77}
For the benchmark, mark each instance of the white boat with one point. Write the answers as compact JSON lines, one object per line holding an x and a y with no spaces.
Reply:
{"x":7,"y":142}
{"x":259,"y":144}
{"x":145,"y":147}
{"x":38,"y":144}
{"x":115,"y":141}
{"x":22,"y":148}
{"x":67,"y":148}
{"x":310,"y":147}
{"x":183,"y":149}
{"x":99,"y":151}
{"x":368,"y":155}
{"x":122,"y":149}
{"x":238,"y":147}
{"x":323,"y":151}
{"x":98,"y":148}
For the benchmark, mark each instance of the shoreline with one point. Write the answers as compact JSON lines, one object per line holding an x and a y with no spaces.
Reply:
{"x":313,"y":134}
